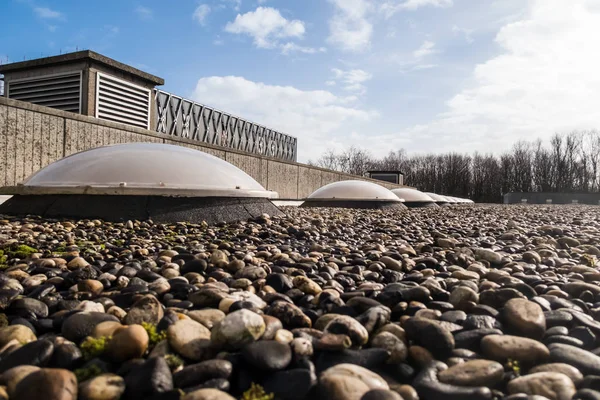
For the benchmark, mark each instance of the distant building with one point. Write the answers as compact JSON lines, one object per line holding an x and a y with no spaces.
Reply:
{"x":551,"y":198}
{"x":387,"y":176}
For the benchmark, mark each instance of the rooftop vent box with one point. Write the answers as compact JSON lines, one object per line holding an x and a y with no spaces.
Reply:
{"x":85,"y":83}
{"x":387,"y":176}
{"x":138,"y":181}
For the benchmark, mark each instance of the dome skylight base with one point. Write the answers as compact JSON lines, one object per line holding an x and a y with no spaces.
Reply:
{"x":160,"y":209}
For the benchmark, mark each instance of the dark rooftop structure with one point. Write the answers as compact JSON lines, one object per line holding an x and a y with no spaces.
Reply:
{"x":387,"y":176}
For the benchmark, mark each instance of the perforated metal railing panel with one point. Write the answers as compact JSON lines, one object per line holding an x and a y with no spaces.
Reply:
{"x":184,"y":118}
{"x":61,"y":91}
{"x":121,"y":101}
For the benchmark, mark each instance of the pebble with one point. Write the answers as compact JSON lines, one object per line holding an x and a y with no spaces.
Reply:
{"x":102,"y":387}
{"x":348,"y":381}
{"x":345,"y":325}
{"x":208,"y":394}
{"x":584,"y":361}
{"x":551,"y":385}
{"x":237,"y":329}
{"x":189,"y":338}
{"x":566,"y":369}
{"x":79,"y":326}
{"x":196,"y":374}
{"x":524,"y":318}
{"x":147,"y":379}
{"x":47,"y":383}
{"x":279,"y":301}
{"x":208,"y":317}
{"x":148,"y":309}
{"x":431,"y":335}
{"x":267,"y":355}
{"x":503,"y":347}
{"x":11,"y":377}
{"x":473,"y":373}
{"x":127,"y":342}
{"x":20,"y":332}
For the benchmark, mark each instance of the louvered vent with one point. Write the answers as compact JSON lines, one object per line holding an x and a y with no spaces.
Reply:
{"x":121,"y":101}
{"x":57,"y":91}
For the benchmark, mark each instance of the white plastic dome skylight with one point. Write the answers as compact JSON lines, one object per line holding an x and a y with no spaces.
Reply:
{"x":144,"y":169}
{"x":437,"y":198}
{"x":412,"y":195}
{"x":354,"y":191}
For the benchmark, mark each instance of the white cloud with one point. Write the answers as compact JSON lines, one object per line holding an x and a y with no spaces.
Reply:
{"x":111,"y":29}
{"x":426,"y":49}
{"x":290,"y":47}
{"x":349,"y":27}
{"x":391,"y":7}
{"x":545,"y":80}
{"x":353,"y":79}
{"x":144,"y":12}
{"x":200,"y":13}
{"x":236,"y":4}
{"x":47,"y":13}
{"x":313,"y":116}
{"x":266,"y":26}
{"x":467,"y":33}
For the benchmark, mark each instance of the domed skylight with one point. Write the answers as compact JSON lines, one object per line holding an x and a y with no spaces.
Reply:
{"x":437,"y":198}
{"x":414,"y":197}
{"x":353,"y":194}
{"x":144,"y":169}
{"x":140,"y":181}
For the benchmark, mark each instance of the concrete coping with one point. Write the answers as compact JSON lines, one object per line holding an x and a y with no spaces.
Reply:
{"x":80,"y":56}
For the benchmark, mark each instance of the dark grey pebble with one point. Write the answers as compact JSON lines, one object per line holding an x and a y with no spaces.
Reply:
{"x":76,"y":327}
{"x":481,"y":322}
{"x":431,"y":335}
{"x":585,"y":334}
{"x":482,"y":309}
{"x":583,"y":360}
{"x":148,"y":379}
{"x":36,"y":353}
{"x":591,"y":382}
{"x":454,"y":316}
{"x":293,"y":384}
{"x":27,"y":306}
{"x":586,"y":394}
{"x":66,"y":355}
{"x":197,"y":374}
{"x":558,"y":318}
{"x":563,"y":339}
{"x":472,"y":339}
{"x":496,"y":298}
{"x":268,"y":355}
{"x":557,"y":330}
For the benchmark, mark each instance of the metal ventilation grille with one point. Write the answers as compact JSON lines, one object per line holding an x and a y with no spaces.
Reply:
{"x":61,"y":91}
{"x":121,"y":101}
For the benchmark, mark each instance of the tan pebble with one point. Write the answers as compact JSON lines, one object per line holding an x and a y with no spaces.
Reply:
{"x":284,"y":336}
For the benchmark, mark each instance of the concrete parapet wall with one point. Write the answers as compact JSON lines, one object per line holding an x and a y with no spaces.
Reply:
{"x":33,"y":136}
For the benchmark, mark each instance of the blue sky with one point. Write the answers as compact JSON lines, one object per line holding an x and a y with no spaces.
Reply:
{"x":424,"y":75}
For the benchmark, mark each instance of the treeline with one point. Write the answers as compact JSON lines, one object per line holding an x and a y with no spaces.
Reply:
{"x":567,"y":163}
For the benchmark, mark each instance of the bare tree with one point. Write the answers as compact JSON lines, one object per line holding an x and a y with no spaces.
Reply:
{"x":571,"y":162}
